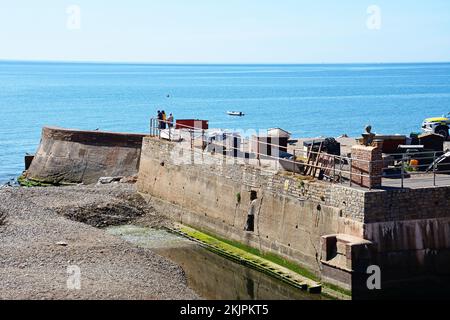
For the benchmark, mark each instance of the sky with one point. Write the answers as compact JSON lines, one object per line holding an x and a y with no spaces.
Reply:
{"x":226,"y":31}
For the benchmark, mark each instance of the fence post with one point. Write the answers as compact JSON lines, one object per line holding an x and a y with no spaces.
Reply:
{"x":351,"y":172}
{"x":203,"y":140}
{"x":293,"y":163}
{"x":434,"y":169}
{"x":159,"y":129}
{"x":258,"y":156}
{"x":403,"y":171}
{"x":334,"y":169}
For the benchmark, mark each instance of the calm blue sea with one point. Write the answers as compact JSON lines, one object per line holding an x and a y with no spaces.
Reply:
{"x":308,"y":100}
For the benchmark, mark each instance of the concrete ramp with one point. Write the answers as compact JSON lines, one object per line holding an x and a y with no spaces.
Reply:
{"x":75,"y":156}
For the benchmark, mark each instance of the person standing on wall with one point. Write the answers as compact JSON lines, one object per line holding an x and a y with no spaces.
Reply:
{"x":164,"y":120}
{"x":170,"y":121}
{"x":160,"y":117}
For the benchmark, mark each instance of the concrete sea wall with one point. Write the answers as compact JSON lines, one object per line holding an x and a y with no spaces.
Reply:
{"x":75,"y":156}
{"x":332,"y":230}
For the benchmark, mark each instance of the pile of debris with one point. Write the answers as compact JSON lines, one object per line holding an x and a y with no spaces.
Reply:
{"x":110,"y":180}
{"x":323,"y":157}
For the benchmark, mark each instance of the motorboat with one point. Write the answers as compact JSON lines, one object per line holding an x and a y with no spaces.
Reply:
{"x":236,"y":113}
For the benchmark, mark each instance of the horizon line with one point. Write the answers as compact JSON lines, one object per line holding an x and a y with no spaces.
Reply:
{"x":215,"y":63}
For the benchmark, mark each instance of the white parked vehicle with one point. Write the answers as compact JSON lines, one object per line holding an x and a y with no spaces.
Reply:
{"x":440,"y":125}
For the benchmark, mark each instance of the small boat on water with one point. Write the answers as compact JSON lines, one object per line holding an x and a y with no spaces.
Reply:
{"x":236,"y":113}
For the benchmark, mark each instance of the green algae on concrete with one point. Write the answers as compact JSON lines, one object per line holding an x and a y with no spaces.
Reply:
{"x":250,"y":259}
{"x":33,"y":183}
{"x":24,"y":182}
{"x":267,"y":263}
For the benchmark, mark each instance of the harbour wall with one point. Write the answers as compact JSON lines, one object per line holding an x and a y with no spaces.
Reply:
{"x":76,"y":156}
{"x":332,"y":230}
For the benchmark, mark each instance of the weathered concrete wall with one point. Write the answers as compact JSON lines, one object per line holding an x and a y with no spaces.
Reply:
{"x":332,"y":230}
{"x":74,"y":156}
{"x":410,"y":229}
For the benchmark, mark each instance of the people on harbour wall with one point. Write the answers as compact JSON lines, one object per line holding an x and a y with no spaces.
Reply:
{"x":164,"y":121}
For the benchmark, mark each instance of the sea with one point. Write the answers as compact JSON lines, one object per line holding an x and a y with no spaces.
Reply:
{"x":307,"y":100}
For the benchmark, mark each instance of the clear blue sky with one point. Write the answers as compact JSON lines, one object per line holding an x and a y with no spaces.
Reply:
{"x":226,"y":31}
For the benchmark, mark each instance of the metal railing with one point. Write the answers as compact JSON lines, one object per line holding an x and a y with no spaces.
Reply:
{"x":419,"y":167}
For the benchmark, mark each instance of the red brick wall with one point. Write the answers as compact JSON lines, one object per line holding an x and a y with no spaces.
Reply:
{"x":367,"y":161}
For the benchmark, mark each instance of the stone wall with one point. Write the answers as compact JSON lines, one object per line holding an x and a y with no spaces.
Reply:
{"x":407,"y":204}
{"x":350,"y":201}
{"x":75,"y":156}
{"x":410,"y":229}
